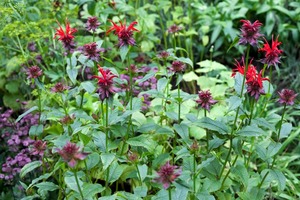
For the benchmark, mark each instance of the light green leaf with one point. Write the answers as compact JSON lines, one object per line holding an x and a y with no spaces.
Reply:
{"x":204,"y":196}
{"x":115,"y":171}
{"x":100,"y":140}
{"x":214,"y":125}
{"x":238,"y":83}
{"x":241,"y":172}
{"x":140,"y":191}
{"x":286,"y":129}
{"x":26,"y":113}
{"x":88,"y":86}
{"x":190,"y":76}
{"x":143,"y":169}
{"x":72,"y":73}
{"x":107,"y":159}
{"x":123,"y":52}
{"x":30,"y":167}
{"x":183,"y":131}
{"x":279,"y":178}
{"x":47,"y":186}
{"x":251,"y":131}
{"x":90,"y":190}
{"x":234,"y":102}
{"x":92,"y":160}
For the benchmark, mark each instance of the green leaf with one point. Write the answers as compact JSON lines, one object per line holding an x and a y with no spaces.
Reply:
{"x":88,"y":86}
{"x":47,"y":186}
{"x":100,"y":140}
{"x":159,"y":160}
{"x":71,"y":181}
{"x":204,"y":196}
{"x":136,"y":104}
{"x":190,"y":76}
{"x":279,"y":178}
{"x":180,"y":192}
{"x":185,"y":60}
{"x":36,"y":130}
{"x":89,"y":190}
{"x":92,"y":160}
{"x":234,"y":102}
{"x":12,"y":87}
{"x":208,"y":65}
{"x":215,"y":143}
{"x":115,"y":171}
{"x":30,"y":167}
{"x":235,"y":41}
{"x":264,"y":123}
{"x":211,"y":185}
{"x":217,"y":30}
{"x":241,"y":172}
{"x":107,"y":159}
{"x":238,"y":82}
{"x":183,"y":131}
{"x":214,"y":125}
{"x":251,"y":131}
{"x":161,"y":84}
{"x":72,"y":73}
{"x":26,"y":113}
{"x":286,"y":129}
{"x":140,"y":191}
{"x":143,"y":169}
{"x":146,"y":77}
{"x":123,"y":52}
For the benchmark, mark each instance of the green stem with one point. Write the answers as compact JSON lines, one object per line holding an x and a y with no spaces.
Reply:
{"x":77,"y":182}
{"x":139,"y":174}
{"x":207,"y":134}
{"x":170,"y":193}
{"x":280,"y":122}
{"x":106,"y":126}
{"x":194,"y":175}
{"x":179,"y":103}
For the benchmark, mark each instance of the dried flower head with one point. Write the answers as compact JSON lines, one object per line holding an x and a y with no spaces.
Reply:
{"x":34,"y":72}
{"x":287,"y":97}
{"x":174,"y":29}
{"x":92,"y":24}
{"x":178,"y":66}
{"x":105,"y":83}
{"x":167,"y":174}
{"x":205,"y":100}
{"x":250,"y":32}
{"x":66,"y":36}
{"x":272,"y":53}
{"x":71,"y":154}
{"x":124,"y":33}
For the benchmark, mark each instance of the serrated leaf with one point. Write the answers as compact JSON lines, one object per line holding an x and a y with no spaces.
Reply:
{"x":29,"y":167}
{"x":214,"y":125}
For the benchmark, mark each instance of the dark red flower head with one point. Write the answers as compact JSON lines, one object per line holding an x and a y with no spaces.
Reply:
{"x":287,"y":97}
{"x":205,"y":100}
{"x":163,"y":55}
{"x":59,"y":87}
{"x":39,"y":147}
{"x":91,"y":51}
{"x":174,"y":29}
{"x":178,"y":66}
{"x":71,"y":154}
{"x":105,"y":82}
{"x":34,"y":72}
{"x":250,"y":32}
{"x":255,"y":85}
{"x":272,"y":53}
{"x":124,"y":33}
{"x":167,"y":174}
{"x":66,"y":36}
{"x":92,"y":24}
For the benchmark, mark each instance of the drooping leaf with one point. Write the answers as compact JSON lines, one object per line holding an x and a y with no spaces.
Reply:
{"x":214,"y":125}
{"x":251,"y":131}
{"x":26,"y":113}
{"x":30,"y":167}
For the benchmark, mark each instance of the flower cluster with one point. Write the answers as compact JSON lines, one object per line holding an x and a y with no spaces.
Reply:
{"x":124,"y":33}
{"x":34,"y":72}
{"x":167,"y":174}
{"x":92,"y":24}
{"x":91,"y":51}
{"x":66,"y":36}
{"x":272,"y":53}
{"x":250,"y":32}
{"x":287,"y":97}
{"x":59,"y":87}
{"x":105,"y":82}
{"x":205,"y":100}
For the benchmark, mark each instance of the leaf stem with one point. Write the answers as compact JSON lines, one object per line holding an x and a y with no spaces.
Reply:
{"x":77,"y":182}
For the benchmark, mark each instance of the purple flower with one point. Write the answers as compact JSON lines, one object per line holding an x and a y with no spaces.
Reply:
{"x":92,"y":24}
{"x":163,"y":55}
{"x":287,"y":97}
{"x":205,"y":100}
{"x":167,"y":174}
{"x":250,"y":32}
{"x":91,"y":51}
{"x":178,"y":66}
{"x":34,"y":72}
{"x":39,"y":147}
{"x":174,"y":29}
{"x":71,"y":154}
{"x":105,"y":83}
{"x":31,"y":46}
{"x":59,"y":87}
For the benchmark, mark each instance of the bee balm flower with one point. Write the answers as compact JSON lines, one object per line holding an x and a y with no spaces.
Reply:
{"x":250,"y":32}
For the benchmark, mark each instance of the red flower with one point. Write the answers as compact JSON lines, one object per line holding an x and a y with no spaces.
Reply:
{"x":178,"y":66}
{"x":66,"y":36}
{"x":255,"y":85}
{"x":250,"y":32}
{"x":124,"y":33}
{"x":272,"y":53}
{"x":287,"y":97}
{"x":106,"y":88}
{"x":70,"y":153}
{"x":251,"y":71}
{"x":34,"y":72}
{"x":167,"y":174}
{"x":205,"y":100}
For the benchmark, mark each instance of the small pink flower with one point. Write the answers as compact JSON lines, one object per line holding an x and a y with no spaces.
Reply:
{"x":71,"y":154}
{"x":167,"y":174}
{"x":287,"y":97}
{"x":205,"y":100}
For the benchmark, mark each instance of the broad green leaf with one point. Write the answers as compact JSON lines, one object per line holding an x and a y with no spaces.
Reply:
{"x":254,"y":193}
{"x":211,"y":185}
{"x":279,"y":177}
{"x":183,"y":131}
{"x":215,"y":143}
{"x":92,"y":160}
{"x":136,"y":104}
{"x":204,"y":196}
{"x":47,"y":186}
{"x":12,"y":86}
{"x":286,"y":129}
{"x":140,"y":191}
{"x":70,"y":180}
{"x":26,"y":113}
{"x":180,"y":192}
{"x":251,"y":131}
{"x":185,"y":60}
{"x":30,"y":167}
{"x":115,"y":171}
{"x":214,"y":125}
{"x":123,"y":52}
{"x":241,"y":172}
{"x":72,"y":73}
{"x":90,"y":190}
{"x":161,"y":84}
{"x":100,"y":140}
{"x":234,"y":102}
{"x":107,"y":159}
{"x":208,"y":65}
{"x":190,"y":76}
{"x":88,"y":86}
{"x":159,"y":160}
{"x":143,"y":169}
{"x":146,"y":77}
{"x":36,"y":130}
{"x":262,"y":122}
